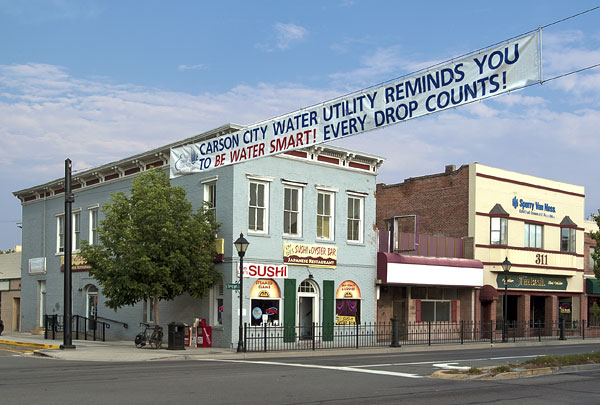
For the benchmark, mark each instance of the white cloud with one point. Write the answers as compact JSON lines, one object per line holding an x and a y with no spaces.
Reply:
{"x":191,"y":67}
{"x":288,"y":34}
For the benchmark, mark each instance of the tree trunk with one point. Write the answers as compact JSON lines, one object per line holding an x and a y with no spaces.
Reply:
{"x":156,"y":310}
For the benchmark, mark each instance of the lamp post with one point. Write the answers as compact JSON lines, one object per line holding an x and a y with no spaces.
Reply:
{"x":506,"y":265}
{"x":241,"y":244}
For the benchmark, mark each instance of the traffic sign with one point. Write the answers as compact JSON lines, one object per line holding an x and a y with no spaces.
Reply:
{"x":235,"y":286}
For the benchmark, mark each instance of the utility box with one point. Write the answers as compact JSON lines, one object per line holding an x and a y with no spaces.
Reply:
{"x":176,"y":336}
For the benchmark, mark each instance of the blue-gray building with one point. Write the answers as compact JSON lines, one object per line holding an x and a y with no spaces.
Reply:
{"x":308,"y":214}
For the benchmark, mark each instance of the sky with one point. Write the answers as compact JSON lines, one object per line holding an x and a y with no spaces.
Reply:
{"x":98,"y":81}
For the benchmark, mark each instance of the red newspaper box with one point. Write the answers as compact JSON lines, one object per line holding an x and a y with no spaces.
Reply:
{"x":204,"y":334}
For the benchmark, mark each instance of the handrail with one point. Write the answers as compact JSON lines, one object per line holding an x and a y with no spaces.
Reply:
{"x":125,"y":324}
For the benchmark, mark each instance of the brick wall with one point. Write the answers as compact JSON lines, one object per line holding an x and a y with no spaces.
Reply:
{"x":587,"y":242}
{"x":439,"y":200}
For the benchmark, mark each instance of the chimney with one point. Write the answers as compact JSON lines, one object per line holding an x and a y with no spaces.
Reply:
{"x":450,"y":168}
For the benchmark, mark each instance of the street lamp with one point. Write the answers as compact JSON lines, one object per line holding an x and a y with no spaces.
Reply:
{"x":241,"y":244}
{"x":506,"y":265}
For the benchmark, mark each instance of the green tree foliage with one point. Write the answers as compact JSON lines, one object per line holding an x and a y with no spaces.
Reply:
{"x":152,"y":245}
{"x":596,"y":237}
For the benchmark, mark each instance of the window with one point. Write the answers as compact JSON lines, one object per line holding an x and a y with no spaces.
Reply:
{"x":218,"y":294}
{"x":94,"y":226}
{"x":355,"y":219}
{"x":435,"y":311}
{"x":325,"y":215}
{"x":292,"y":211}
{"x":60,"y":233}
{"x":148,"y":314}
{"x":76,"y":231}
{"x":534,"y":236}
{"x":592,"y":261}
{"x":258,"y":207}
{"x":210,"y":197}
{"x":498,"y":231}
{"x":567,"y":240}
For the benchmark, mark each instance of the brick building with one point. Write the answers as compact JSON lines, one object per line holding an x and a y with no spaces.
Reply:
{"x":496,"y":214}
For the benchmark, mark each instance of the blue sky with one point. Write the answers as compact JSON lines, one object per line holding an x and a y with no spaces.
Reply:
{"x":97,"y":81}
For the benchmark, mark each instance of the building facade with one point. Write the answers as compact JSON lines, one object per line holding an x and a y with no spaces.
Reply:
{"x":536,"y":223}
{"x":309,"y":217}
{"x":10,"y":290}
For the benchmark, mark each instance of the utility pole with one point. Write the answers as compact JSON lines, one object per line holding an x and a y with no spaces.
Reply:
{"x":67,"y":323}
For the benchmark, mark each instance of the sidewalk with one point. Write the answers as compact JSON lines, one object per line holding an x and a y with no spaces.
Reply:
{"x":125,"y":351}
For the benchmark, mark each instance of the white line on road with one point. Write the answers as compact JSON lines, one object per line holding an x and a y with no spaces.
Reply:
{"x":352,"y":369}
{"x":416,"y":363}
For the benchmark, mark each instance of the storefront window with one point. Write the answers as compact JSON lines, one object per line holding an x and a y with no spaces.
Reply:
{"x":347,"y":304}
{"x":264,"y":310}
{"x":593,"y":311}
{"x":435,"y":311}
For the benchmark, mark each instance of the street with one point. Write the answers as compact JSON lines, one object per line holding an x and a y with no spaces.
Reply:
{"x":373,"y":378}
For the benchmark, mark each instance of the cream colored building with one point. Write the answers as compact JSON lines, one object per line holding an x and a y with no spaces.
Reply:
{"x":538,"y":225}
{"x":10,"y":290}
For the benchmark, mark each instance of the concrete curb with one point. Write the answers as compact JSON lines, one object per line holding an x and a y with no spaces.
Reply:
{"x":451,"y":375}
{"x":38,"y":345}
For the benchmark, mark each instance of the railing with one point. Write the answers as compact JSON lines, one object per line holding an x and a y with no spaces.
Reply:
{"x":315,"y":336}
{"x":87,"y":327}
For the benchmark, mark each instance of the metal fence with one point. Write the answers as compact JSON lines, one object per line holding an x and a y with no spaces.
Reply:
{"x":86,"y":328}
{"x":282,"y":338}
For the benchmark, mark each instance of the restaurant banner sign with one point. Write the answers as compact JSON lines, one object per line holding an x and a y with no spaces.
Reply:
{"x":507,"y":67}
{"x":310,"y":255}
{"x":533,"y":282}
{"x":78,"y":263}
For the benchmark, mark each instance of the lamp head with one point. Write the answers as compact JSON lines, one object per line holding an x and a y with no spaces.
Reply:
{"x":506,"y":265}
{"x":241,"y":244}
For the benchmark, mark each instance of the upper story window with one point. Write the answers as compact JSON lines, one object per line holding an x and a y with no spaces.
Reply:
{"x":76,"y":230}
{"x":355,"y":218}
{"x":567,"y":235}
{"x":60,"y":233}
{"x":258,"y":207}
{"x":592,"y":261}
{"x":94,"y":224}
{"x":210,"y":197}
{"x":325,"y":217}
{"x":292,"y":211}
{"x":498,"y":226}
{"x":534,"y":235}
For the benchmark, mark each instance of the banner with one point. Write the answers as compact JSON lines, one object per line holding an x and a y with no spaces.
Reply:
{"x":300,"y":254}
{"x":488,"y":73}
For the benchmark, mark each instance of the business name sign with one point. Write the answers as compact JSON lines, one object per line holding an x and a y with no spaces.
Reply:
{"x":507,"y":67}
{"x":253,"y":270}
{"x":78,"y":263}
{"x":541,"y":209}
{"x":532,"y":282}
{"x":310,"y":255}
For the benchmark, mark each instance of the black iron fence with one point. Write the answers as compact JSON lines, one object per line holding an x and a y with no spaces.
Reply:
{"x":81,"y":327}
{"x":316,"y":336}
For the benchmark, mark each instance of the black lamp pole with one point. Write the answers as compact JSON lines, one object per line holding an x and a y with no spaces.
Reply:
{"x":241,"y":244}
{"x":506,"y":267}
{"x":68,"y":229}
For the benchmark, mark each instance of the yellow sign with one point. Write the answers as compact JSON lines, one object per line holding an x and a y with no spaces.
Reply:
{"x":299,"y":254}
{"x":345,"y":320}
{"x":78,"y":263}
{"x":348,"y":289}
{"x":265,"y":288}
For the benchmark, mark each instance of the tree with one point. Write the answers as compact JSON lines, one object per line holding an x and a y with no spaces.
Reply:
{"x":152,"y":245}
{"x":596,"y":236}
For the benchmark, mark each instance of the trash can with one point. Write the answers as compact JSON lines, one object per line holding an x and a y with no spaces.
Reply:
{"x":176,"y":336}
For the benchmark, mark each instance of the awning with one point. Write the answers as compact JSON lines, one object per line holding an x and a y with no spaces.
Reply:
{"x":393,"y":268}
{"x":487,"y":293}
{"x":592,"y":286}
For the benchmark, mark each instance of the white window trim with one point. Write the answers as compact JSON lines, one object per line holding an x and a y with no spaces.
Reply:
{"x":58,"y":218}
{"x":91,"y":210}
{"x":267,"y":207}
{"x":259,"y":178}
{"x":328,"y":189}
{"x":292,"y":186}
{"x":73,"y":214}
{"x":361,"y":223}
{"x":212,"y":179}
{"x":332,"y":212}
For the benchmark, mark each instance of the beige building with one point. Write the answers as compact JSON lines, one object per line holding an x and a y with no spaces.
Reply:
{"x":10,"y":290}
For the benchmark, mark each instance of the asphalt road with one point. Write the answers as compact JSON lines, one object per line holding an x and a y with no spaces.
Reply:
{"x":354,"y":379}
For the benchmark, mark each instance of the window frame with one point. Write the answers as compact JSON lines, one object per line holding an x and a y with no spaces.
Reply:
{"x":435,"y":310}
{"x":292,"y":187}
{"x":571,"y":239}
{"x":76,"y":235}
{"x":93,"y":214}
{"x":528,"y":233}
{"x":209,"y":194}
{"x":502,"y":231}
{"x":331,"y":215}
{"x":60,"y":234}
{"x":360,"y":219}
{"x":264,"y":208}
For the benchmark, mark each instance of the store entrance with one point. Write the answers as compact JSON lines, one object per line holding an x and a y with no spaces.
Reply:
{"x":306,"y":317}
{"x":538,"y":311}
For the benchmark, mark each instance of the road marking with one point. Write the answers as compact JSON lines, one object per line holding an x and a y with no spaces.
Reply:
{"x":352,"y":369}
{"x":450,"y":366}
{"x":416,"y":363}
